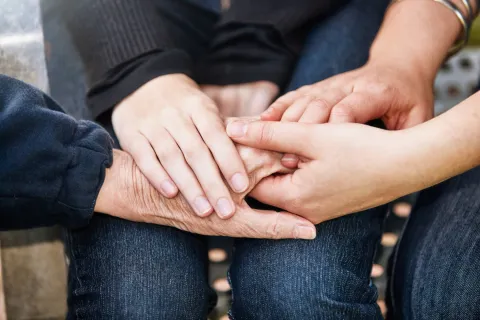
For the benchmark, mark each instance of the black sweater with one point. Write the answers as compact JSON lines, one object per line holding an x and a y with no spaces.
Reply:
{"x":126,"y":43}
{"x":51,"y":166}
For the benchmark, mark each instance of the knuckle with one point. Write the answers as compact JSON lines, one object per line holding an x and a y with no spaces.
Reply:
{"x":342,"y":111}
{"x":169,"y":113}
{"x":266,"y":133}
{"x":319,"y":103}
{"x":196,"y":154}
{"x":304,"y":89}
{"x":382,"y":88}
{"x":190,"y":153}
{"x":273,"y":230}
{"x":168,"y":152}
{"x":200,"y":101}
{"x":214,"y":132}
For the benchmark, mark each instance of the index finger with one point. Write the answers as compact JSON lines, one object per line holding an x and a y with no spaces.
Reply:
{"x":284,"y":137}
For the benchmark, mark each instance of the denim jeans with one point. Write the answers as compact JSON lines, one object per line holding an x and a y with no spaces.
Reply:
{"x":124,"y":270}
{"x":435,"y":273}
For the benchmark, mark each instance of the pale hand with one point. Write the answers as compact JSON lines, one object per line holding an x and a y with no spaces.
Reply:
{"x":176,"y":136}
{"x":343,"y":168}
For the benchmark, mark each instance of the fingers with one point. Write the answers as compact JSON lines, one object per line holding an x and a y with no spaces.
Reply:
{"x":143,"y":154}
{"x":274,"y":190}
{"x":415,"y":117}
{"x":278,"y":108}
{"x":173,"y":160}
{"x":198,"y":157}
{"x":314,"y":108}
{"x":295,"y":111}
{"x":359,"y":108}
{"x":224,"y":152}
{"x":247,"y":223}
{"x":251,"y":223}
{"x":318,"y":110}
{"x":276,"y":136}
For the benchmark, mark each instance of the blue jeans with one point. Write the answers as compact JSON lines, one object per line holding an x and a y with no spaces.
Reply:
{"x":124,"y":270}
{"x":435,"y":273}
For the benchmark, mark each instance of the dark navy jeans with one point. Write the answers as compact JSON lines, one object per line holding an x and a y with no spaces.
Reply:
{"x":436,"y":266}
{"x":124,"y":270}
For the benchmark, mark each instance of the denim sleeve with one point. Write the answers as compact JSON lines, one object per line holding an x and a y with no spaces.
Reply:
{"x":51,"y":166}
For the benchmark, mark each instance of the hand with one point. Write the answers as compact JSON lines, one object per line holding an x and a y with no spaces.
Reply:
{"x":175,"y":134}
{"x":401,"y":97}
{"x":242,"y":100}
{"x":127,"y":194}
{"x":343,"y":168}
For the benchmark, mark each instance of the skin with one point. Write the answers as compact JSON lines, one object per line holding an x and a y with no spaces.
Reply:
{"x":127,"y":194}
{"x":347,"y":168}
{"x":395,"y":85}
{"x":242,"y":100}
{"x":176,"y":135}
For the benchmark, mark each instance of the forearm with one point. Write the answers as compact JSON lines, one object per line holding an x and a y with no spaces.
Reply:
{"x":443,"y":147}
{"x":421,"y":31}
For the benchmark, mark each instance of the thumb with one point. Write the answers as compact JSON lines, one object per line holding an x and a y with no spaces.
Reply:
{"x":274,"y":190}
{"x":359,"y":108}
{"x":275,"y":136}
{"x":268,"y":224}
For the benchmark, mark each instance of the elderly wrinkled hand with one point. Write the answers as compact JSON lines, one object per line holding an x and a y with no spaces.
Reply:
{"x":129,"y":195}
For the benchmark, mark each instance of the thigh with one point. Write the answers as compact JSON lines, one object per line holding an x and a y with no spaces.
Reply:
{"x":340,"y":43}
{"x":327,"y":278}
{"x":435,"y":273}
{"x":124,"y":270}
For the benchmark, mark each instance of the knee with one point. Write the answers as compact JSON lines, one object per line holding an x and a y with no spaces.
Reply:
{"x":120,"y":270}
{"x":297,"y":294}
{"x":127,"y":297}
{"x":296,"y":286}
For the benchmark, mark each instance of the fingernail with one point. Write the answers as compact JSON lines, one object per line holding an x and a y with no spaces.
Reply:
{"x":239,"y":182}
{"x":168,"y":188}
{"x":202,"y":205}
{"x":269,"y":110}
{"x":289,"y":158}
{"x":303,"y":232}
{"x":236,"y":129}
{"x":225,"y":208}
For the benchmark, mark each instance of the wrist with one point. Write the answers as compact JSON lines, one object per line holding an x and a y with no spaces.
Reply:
{"x":114,"y":197}
{"x":422,"y":43}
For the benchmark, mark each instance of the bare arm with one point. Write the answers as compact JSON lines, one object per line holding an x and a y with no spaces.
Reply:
{"x":395,"y":85}
{"x":445,"y":146}
{"x":417,"y":35}
{"x":365,"y":165}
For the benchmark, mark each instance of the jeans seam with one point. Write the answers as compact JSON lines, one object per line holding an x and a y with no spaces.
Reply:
{"x":394,"y":264}
{"x":74,"y":265}
{"x":229,"y":278}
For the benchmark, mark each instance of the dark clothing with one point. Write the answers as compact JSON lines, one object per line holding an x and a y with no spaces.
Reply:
{"x":51,"y":166}
{"x":126,"y":43}
{"x":434,"y":270}
{"x":326,"y":278}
